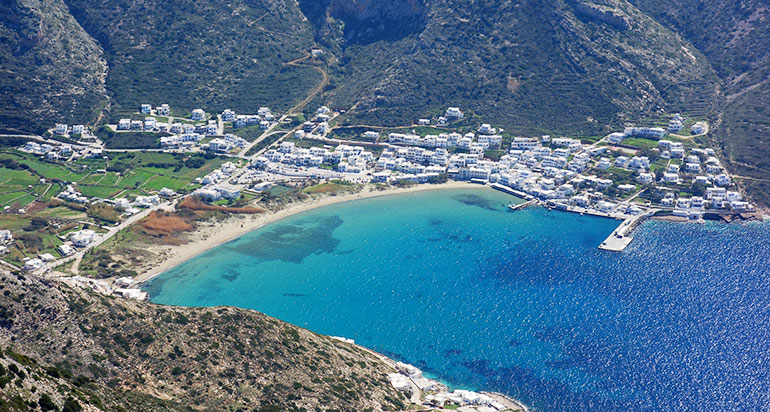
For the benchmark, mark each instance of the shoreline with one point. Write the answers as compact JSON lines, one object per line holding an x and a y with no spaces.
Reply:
{"x":236,"y":226}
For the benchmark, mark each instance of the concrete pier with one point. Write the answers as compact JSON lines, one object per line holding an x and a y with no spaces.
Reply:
{"x":621,"y":237}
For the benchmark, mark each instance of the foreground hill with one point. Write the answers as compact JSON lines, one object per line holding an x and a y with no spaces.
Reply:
{"x":108,"y":351}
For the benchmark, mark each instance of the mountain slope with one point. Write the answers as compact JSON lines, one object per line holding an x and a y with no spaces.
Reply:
{"x":566,"y":65}
{"x":213,"y":54}
{"x":50,"y":69}
{"x":735,"y":36}
{"x":216,"y":358}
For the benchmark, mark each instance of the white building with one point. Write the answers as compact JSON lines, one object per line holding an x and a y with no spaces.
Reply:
{"x":82,"y":238}
{"x":65,"y":249}
{"x":370,"y":134}
{"x":454,"y":113}
{"x":616,"y":137}
{"x":145,"y":109}
{"x":163,"y":110}
{"x":198,"y":114}
{"x":649,"y":132}
{"x":33,"y":264}
{"x":228,"y":115}
{"x":699,"y":128}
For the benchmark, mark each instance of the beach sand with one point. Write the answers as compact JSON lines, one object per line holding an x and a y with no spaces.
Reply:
{"x":214,"y":234}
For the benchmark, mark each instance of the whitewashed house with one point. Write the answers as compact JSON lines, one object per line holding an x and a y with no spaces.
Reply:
{"x":198,"y":114}
{"x":163,"y":110}
{"x":82,"y":238}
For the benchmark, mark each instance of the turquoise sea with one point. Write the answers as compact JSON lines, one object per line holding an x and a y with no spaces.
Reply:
{"x":518,"y":302}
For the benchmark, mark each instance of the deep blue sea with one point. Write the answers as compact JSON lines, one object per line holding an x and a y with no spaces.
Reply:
{"x":518,"y":302}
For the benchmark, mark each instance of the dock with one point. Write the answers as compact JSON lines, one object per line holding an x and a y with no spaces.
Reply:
{"x":517,"y":206}
{"x":621,"y":237}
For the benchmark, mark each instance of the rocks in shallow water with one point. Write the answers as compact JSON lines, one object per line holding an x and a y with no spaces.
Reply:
{"x":409,"y":380}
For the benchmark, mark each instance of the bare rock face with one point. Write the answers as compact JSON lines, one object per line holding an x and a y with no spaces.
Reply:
{"x":604,"y":15}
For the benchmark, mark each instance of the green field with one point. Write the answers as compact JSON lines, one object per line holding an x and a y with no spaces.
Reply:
{"x":104,"y":192}
{"x":135,"y":178}
{"x":158,"y":182}
{"x":640,"y":142}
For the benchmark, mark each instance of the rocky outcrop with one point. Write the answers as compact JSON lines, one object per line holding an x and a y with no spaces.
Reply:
{"x":602,"y":15}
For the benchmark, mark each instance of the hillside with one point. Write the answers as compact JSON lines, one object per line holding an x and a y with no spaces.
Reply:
{"x":735,"y":37}
{"x":52,"y":70}
{"x":104,"y":349}
{"x":532,"y":67}
{"x":569,"y":65}
{"x":214,"y":54}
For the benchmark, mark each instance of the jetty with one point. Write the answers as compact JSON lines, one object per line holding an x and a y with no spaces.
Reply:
{"x":621,"y":237}
{"x":517,"y":206}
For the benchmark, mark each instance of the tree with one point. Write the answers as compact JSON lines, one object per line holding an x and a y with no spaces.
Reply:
{"x":47,"y":404}
{"x":71,"y":405}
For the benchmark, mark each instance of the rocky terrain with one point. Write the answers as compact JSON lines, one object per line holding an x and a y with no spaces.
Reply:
{"x":52,"y":70}
{"x":102,"y":352}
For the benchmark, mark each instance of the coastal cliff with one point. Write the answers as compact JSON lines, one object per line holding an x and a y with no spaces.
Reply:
{"x":111,"y":353}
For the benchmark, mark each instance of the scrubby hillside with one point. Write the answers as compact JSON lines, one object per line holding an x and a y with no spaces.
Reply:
{"x":217,"y":358}
{"x":50,"y":68}
{"x":214,"y":54}
{"x":735,"y":36}
{"x":571,"y":66}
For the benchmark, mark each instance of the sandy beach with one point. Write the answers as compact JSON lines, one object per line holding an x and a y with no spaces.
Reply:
{"x":212,"y":235}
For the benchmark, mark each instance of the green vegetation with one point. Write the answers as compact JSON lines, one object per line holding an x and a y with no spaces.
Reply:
{"x":350,"y":133}
{"x":239,"y":66}
{"x":640,"y":142}
{"x":127,"y":174}
{"x":249,"y":133}
{"x":129,"y":140}
{"x":264,"y":143}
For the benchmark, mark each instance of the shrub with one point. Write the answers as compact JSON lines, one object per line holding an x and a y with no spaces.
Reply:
{"x":47,"y":404}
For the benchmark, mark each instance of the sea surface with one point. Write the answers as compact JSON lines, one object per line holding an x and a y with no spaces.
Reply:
{"x":520,"y":302}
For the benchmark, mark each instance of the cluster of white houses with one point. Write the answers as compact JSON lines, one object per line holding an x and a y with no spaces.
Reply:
{"x":73,"y":241}
{"x":214,"y":185}
{"x":62,"y":129}
{"x":559,"y":170}
{"x":186,"y":136}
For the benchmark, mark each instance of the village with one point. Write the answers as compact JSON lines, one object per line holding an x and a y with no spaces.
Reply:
{"x":627,"y":175}
{"x":67,"y":192}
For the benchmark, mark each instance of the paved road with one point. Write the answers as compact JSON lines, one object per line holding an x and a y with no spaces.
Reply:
{"x":77,"y":257}
{"x":262,"y":137}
